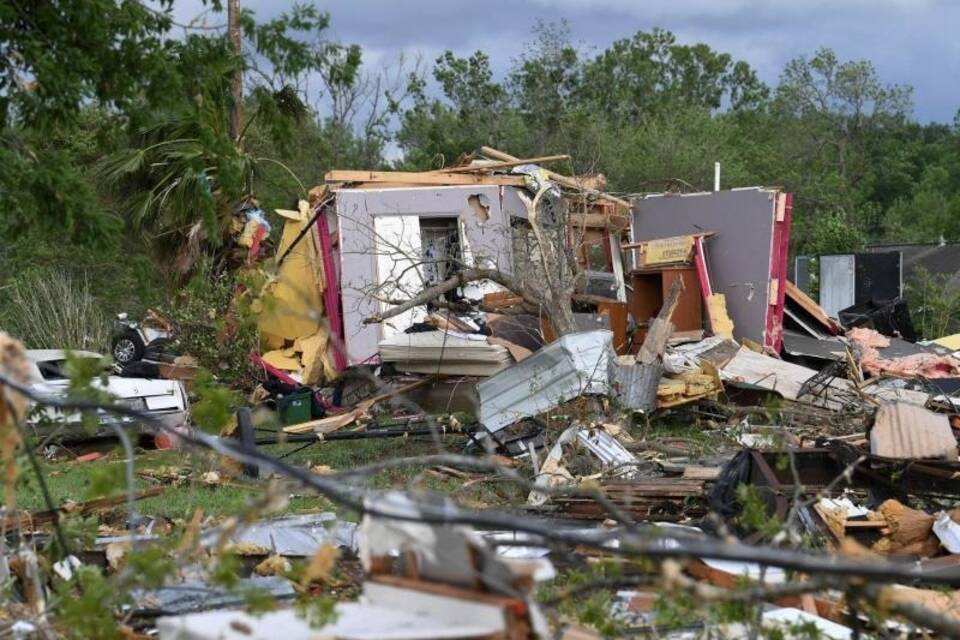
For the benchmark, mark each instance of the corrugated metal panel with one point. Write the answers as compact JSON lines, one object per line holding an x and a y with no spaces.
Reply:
{"x":612,"y":454}
{"x":575,"y":364}
{"x":637,"y":385}
{"x":903,"y":430}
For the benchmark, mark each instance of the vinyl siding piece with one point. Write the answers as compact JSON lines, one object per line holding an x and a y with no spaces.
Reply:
{"x":576,"y":364}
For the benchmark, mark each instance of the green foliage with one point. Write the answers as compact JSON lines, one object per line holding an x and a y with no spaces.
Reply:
{"x":934,"y":304}
{"x":86,"y":606}
{"x":591,"y":607}
{"x":830,"y":234}
{"x":89,"y":603}
{"x":754,"y":515}
{"x":105,"y":480}
{"x":225,"y":570}
{"x":675,"y":610}
{"x":650,"y":72}
{"x":317,"y":610}
{"x":476,"y":111}
{"x":214,"y":325}
{"x":215,"y":403}
{"x":56,"y":311}
{"x":151,"y":565}
{"x":78,"y":533}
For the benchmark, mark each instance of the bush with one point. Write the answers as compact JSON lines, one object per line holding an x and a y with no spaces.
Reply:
{"x":213,"y":325}
{"x":934,"y":304}
{"x":56,"y":312}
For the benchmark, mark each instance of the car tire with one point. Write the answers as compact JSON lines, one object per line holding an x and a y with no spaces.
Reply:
{"x":248,"y":440}
{"x":128,"y":347}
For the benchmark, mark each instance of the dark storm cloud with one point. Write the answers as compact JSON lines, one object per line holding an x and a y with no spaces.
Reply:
{"x":910,"y":42}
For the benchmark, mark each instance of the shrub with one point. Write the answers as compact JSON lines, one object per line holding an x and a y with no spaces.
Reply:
{"x":934,"y":304}
{"x":56,"y":312}
{"x":213,"y":325}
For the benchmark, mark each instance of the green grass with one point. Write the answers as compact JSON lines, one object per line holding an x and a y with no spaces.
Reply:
{"x":78,"y":481}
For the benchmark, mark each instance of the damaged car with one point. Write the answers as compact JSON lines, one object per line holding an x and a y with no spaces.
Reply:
{"x":164,"y":400}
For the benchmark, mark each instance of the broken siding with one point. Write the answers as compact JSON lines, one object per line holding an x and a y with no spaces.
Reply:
{"x":485,"y":242}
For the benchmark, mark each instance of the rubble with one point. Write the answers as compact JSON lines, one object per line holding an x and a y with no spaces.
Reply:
{"x":670,"y":383}
{"x":422,"y":581}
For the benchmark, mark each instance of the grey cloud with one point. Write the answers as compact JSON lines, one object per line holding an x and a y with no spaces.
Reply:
{"x":909,"y":41}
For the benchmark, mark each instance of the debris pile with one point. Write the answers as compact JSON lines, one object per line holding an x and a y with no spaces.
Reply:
{"x":642,"y":373}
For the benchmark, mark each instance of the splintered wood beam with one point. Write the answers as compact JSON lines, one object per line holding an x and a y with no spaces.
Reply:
{"x":493,"y":166}
{"x":566,"y":181}
{"x":396,"y":178}
{"x":660,"y":329}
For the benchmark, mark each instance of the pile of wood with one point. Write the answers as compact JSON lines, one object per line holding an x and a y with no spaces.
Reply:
{"x":489,"y":167}
{"x":645,"y":500}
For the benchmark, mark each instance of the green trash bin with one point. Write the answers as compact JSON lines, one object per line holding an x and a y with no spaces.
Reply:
{"x":295,"y":407}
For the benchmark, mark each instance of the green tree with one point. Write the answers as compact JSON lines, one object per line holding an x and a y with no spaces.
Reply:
{"x":185,"y":175}
{"x":649,"y":72}
{"x":475,"y":110}
{"x":831,"y":120}
{"x":59,"y":60}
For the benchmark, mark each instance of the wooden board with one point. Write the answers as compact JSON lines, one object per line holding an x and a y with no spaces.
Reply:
{"x":565,"y":181}
{"x":490,"y":166}
{"x":801,"y":299}
{"x":599,"y":220}
{"x":668,"y":250}
{"x":617,"y":312}
{"x":688,"y":316}
{"x":418,"y":178}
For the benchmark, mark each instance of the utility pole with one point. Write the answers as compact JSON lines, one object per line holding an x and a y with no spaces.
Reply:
{"x":236,"y":83}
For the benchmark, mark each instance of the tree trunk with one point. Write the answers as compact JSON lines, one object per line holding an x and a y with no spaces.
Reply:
{"x":236,"y":82}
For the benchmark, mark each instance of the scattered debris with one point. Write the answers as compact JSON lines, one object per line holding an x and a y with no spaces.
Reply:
{"x":677,"y":389}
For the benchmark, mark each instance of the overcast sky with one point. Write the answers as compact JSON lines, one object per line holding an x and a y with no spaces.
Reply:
{"x":911,"y":42}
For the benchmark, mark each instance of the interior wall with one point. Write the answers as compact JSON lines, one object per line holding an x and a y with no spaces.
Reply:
{"x":484,"y":213}
{"x":743,"y":255}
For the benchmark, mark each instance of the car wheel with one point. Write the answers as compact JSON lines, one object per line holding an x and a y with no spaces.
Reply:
{"x":128,"y":347}
{"x":248,"y":439}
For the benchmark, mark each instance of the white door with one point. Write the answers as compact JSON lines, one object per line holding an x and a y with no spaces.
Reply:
{"x":399,"y":274}
{"x":837,"y":289}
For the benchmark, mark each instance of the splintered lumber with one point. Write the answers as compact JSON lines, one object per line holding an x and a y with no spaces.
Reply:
{"x":654,"y":499}
{"x":42,"y":518}
{"x":805,"y":302}
{"x":824,"y":608}
{"x":565,"y":181}
{"x":909,"y":531}
{"x":494,"y":166}
{"x":661,"y":327}
{"x":421,"y":178}
{"x":332,"y":423}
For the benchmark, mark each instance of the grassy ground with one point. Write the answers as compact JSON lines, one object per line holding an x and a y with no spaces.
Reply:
{"x":181,"y":473}
{"x":78,"y":481}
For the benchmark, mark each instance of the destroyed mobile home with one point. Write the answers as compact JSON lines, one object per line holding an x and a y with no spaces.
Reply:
{"x":557,"y":334}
